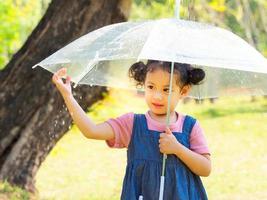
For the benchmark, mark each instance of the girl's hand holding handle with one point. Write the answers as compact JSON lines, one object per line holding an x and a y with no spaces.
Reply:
{"x":168,"y":143}
{"x":64,"y":88}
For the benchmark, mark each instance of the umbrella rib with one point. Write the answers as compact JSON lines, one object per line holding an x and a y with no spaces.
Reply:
{"x":121,"y":35}
{"x":89,"y":67}
{"x":135,"y":27}
{"x":138,"y":58}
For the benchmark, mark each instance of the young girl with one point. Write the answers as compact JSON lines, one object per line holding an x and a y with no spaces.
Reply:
{"x":147,"y":138}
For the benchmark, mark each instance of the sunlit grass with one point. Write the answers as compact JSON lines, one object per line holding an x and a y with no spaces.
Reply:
{"x":8,"y":192}
{"x":236,"y":130}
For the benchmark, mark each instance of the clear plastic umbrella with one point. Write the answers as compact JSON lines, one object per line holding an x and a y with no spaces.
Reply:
{"x":104,"y":56}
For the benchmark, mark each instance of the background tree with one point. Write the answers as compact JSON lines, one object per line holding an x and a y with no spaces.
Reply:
{"x":32,"y":113}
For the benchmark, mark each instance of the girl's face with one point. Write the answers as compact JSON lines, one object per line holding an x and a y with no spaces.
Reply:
{"x":157,"y":91}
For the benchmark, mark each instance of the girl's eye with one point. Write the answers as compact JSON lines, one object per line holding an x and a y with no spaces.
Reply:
{"x":166,"y":90}
{"x":150,"y":87}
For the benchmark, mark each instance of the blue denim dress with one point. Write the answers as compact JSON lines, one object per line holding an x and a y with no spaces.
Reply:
{"x":144,"y":165}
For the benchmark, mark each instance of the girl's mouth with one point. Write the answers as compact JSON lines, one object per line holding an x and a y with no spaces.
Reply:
{"x":157,"y":105}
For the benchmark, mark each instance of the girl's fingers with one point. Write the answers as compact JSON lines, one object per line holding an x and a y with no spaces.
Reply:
{"x":161,"y":140}
{"x":55,"y":78}
{"x":168,"y":131}
{"x":68,"y":80}
{"x":62,"y":72}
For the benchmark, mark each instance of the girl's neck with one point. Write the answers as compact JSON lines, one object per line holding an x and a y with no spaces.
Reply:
{"x":162,"y":118}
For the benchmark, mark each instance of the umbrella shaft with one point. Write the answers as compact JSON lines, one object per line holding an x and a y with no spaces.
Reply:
{"x":177,"y":8}
{"x":168,"y":114}
{"x":167,"y":125}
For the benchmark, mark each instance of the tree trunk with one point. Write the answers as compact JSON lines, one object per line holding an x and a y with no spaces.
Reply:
{"x":33,"y":116}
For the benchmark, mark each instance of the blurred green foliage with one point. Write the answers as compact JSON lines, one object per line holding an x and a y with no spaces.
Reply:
{"x":247,"y":18}
{"x":18,"y":18}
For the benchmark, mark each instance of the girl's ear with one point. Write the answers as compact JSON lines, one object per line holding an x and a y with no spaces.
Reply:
{"x":185,"y":90}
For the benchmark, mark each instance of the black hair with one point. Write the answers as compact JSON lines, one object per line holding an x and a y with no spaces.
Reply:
{"x":187,"y":74}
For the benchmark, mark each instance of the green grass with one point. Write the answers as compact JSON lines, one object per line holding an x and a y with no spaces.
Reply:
{"x":236,"y":130}
{"x":7,"y":192}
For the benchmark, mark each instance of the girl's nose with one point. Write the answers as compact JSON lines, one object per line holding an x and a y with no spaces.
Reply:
{"x":157,"y":95}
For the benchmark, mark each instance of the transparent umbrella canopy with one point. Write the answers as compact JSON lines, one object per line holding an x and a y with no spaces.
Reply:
{"x":103,"y":57}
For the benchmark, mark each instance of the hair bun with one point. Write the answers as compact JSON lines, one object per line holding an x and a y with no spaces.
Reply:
{"x":138,"y":72}
{"x":195,"y":76}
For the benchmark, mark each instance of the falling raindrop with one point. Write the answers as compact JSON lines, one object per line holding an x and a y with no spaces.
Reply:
{"x":55,"y":123}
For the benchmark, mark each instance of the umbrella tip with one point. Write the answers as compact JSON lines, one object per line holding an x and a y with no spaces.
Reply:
{"x":33,"y":67}
{"x":75,"y":85}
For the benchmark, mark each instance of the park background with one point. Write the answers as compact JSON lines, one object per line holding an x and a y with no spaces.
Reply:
{"x":236,"y":130}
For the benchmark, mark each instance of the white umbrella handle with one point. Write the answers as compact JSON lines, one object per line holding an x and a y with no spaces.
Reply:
{"x":161,"y":189}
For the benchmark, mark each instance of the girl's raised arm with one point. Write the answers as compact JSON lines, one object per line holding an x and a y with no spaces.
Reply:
{"x":89,"y":129}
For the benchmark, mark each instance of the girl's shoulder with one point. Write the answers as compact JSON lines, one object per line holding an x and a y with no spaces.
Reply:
{"x":189,"y":122}
{"x":184,"y":115}
{"x":122,"y":127}
{"x":186,"y":118}
{"x":126,"y":118}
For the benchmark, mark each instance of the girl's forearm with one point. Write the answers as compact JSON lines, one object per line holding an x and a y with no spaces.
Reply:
{"x":197,"y":163}
{"x":79,"y":117}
